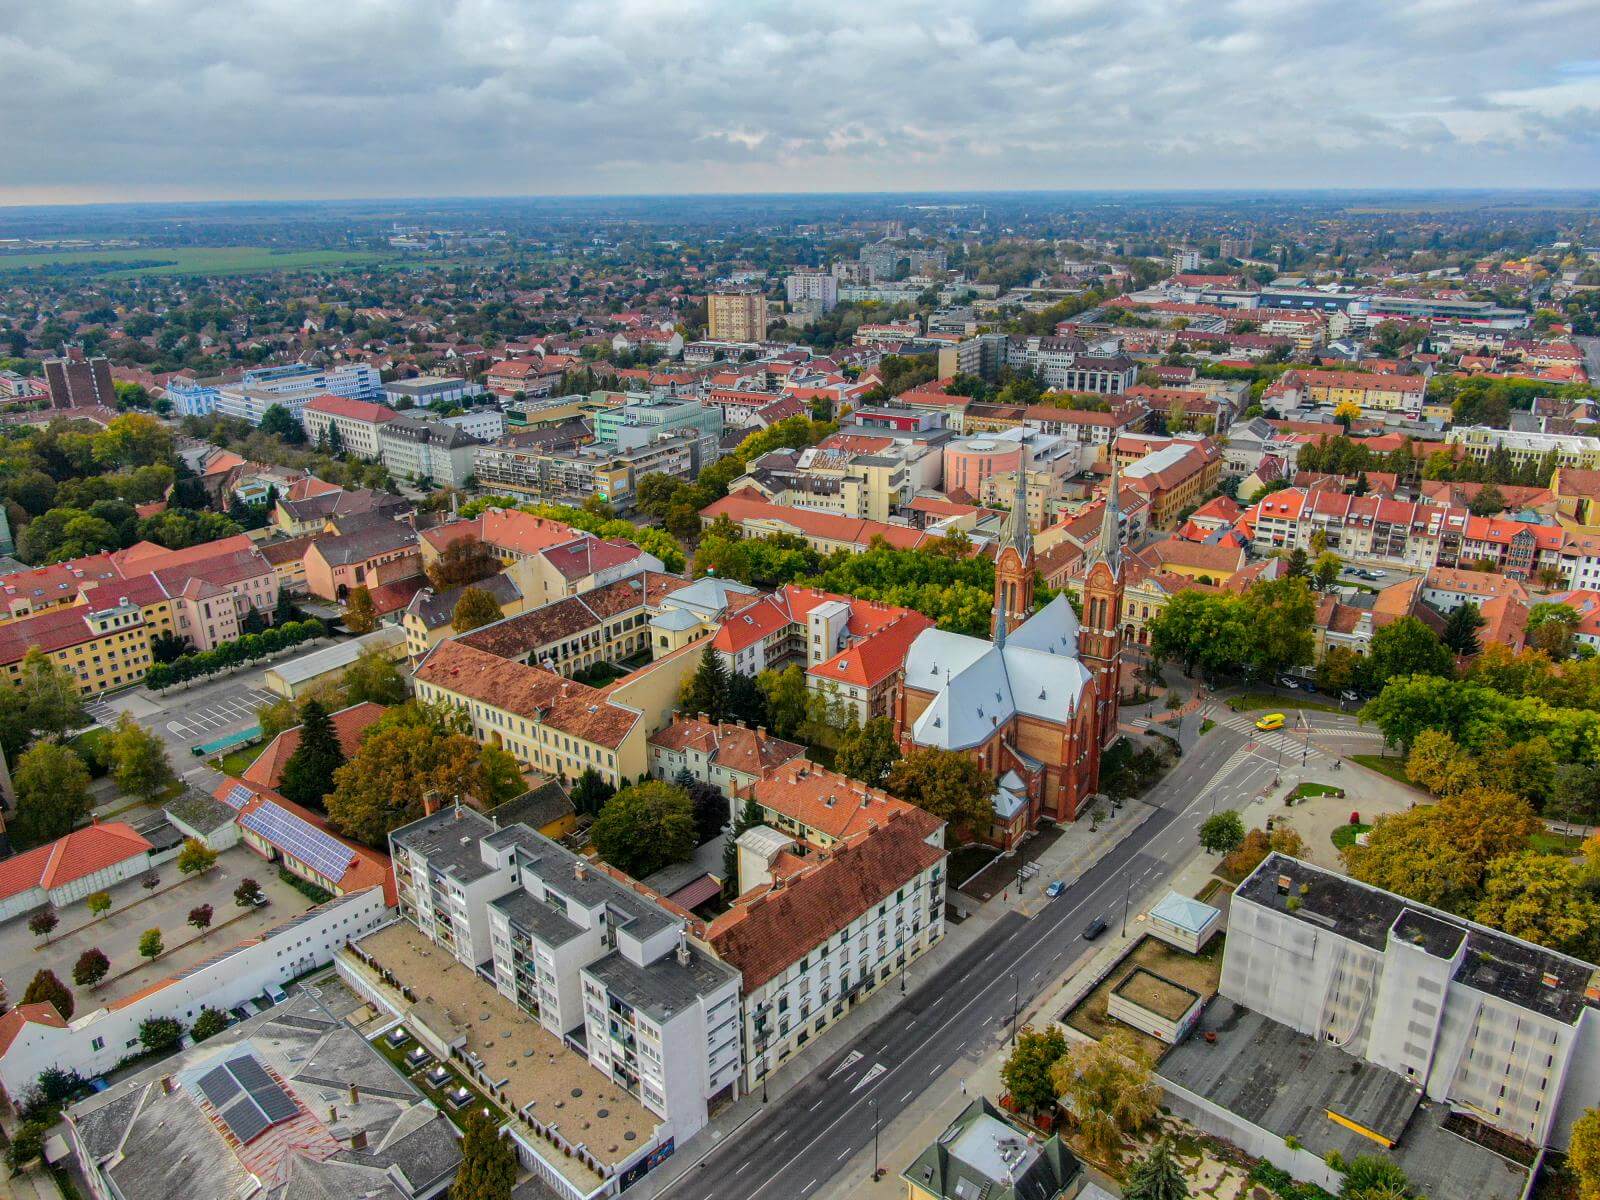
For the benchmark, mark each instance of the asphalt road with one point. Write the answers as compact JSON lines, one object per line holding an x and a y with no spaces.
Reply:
{"x":966,"y":1007}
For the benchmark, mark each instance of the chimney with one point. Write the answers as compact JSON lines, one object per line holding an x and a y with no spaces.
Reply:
{"x":761,"y":731}
{"x":683,"y":952}
{"x":167,"y":1086}
{"x":355,"y":1094}
{"x":430,"y":803}
{"x":580,"y":869}
{"x":358,"y":1140}
{"x":333,"y":1114}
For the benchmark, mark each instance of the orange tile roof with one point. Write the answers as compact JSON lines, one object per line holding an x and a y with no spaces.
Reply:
{"x":518,"y":532}
{"x":348,"y":726}
{"x":81,"y":852}
{"x":733,"y":747}
{"x":353,"y":410}
{"x":858,"y":531}
{"x":824,"y":800}
{"x":12,"y":1023}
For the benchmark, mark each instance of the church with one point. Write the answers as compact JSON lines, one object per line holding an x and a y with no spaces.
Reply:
{"x":1037,"y":705}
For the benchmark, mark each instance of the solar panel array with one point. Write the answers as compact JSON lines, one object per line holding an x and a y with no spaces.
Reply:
{"x":248,"y":1100}
{"x":323,"y":853}
{"x":238,"y":796}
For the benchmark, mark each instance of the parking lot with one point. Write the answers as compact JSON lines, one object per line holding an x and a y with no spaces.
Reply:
{"x":219,"y":714}
{"x":117,"y":935}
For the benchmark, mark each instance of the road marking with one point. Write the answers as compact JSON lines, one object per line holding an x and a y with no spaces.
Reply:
{"x":849,"y":1150}
{"x":854,"y":1057}
{"x":745,"y":1165}
{"x":877,"y":1069}
{"x":818,"y":1104}
{"x":808,"y":1187}
{"x":907,"y":1096}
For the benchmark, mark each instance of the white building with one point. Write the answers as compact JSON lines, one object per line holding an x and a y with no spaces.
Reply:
{"x":293,"y":387}
{"x":415,"y":449}
{"x":352,"y":425}
{"x":66,"y":870}
{"x":812,"y":288}
{"x":430,"y":389}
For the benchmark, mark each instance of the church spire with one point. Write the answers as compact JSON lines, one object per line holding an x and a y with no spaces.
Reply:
{"x":1109,"y":549}
{"x":1019,"y":530}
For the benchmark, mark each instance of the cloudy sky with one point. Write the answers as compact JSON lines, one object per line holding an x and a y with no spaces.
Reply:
{"x":220,"y":99}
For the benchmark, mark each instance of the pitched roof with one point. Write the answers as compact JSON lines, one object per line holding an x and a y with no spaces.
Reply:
{"x":352,"y":410}
{"x":79,"y":853}
{"x":348,"y":726}
{"x":742,"y":507}
{"x":732,"y":747}
{"x":42,"y":1013}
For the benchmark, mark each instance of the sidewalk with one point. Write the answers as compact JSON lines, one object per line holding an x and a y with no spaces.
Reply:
{"x":1073,"y":853}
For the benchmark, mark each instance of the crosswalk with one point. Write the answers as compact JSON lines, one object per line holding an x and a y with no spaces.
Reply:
{"x":100,"y":712}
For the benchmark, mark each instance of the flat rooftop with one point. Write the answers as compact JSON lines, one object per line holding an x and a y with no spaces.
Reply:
{"x":1287,"y":1084}
{"x":536,"y":1069}
{"x":1494,"y":963}
{"x":1160,"y":996}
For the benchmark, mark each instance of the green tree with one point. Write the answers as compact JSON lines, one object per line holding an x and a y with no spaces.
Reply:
{"x":196,"y":858}
{"x":247,"y":893}
{"x":465,"y":560}
{"x":1542,"y":898}
{"x":1404,"y":647}
{"x":868,"y":753}
{"x":1551,"y":628}
{"x":590,"y":792}
{"x":1437,"y":763}
{"x":91,"y":967}
{"x":279,"y":422}
{"x":1461,"y":630}
{"x":308,"y":775}
{"x":645,"y":827}
{"x":157,"y":1034}
{"x":1222,"y":833}
{"x":948,"y":784}
{"x":99,"y":903}
{"x":1108,"y":1087}
{"x":1583,"y":1154}
{"x":44,"y":702}
{"x":1326,"y":570}
{"x":785,"y":693}
{"x":274,"y":718}
{"x":382,"y":787}
{"x":1027,"y":1071}
{"x":488,"y":1167}
{"x":52,"y":794}
{"x":150,"y":944}
{"x":208,"y":1022}
{"x":45,"y":988}
{"x":502,"y":775}
{"x":475,"y":608}
{"x":373,"y":678}
{"x":138,"y":760}
{"x":1156,"y":1176}
{"x":360,"y":614}
{"x":706,"y":691}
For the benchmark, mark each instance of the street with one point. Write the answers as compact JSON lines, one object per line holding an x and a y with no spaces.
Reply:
{"x":966,"y":1006}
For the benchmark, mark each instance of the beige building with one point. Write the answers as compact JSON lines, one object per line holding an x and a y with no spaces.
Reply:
{"x":737,"y":316}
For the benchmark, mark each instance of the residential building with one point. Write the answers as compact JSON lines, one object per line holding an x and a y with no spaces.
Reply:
{"x":983,"y":1153}
{"x":824,"y":532}
{"x":1496,"y":1027}
{"x":301,"y":842}
{"x":1566,"y":450}
{"x":437,"y":452}
{"x":574,"y":473}
{"x":293,"y":387}
{"x":581,"y":952}
{"x":427,"y":617}
{"x":424,"y":390}
{"x":644,"y":419}
{"x":736,"y":316}
{"x":1037,"y":705}
{"x":77,"y":381}
{"x":729,"y":757}
{"x":812,"y":288}
{"x":375,"y":553}
{"x":348,"y":426}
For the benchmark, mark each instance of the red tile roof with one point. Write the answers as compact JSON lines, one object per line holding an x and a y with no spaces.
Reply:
{"x":25,"y":1014}
{"x":352,"y":410}
{"x":348,"y":726}
{"x":733,"y":747}
{"x":857,"y":531}
{"x":81,"y":852}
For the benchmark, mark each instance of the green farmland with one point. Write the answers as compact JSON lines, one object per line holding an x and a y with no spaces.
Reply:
{"x":192,"y":260}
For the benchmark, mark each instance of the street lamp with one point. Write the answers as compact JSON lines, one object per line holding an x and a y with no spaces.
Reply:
{"x":876,"y":1170}
{"x":1126,"y":900}
{"x":1016,"y":996}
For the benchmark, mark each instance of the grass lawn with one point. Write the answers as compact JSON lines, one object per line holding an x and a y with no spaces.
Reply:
{"x":192,"y":260}
{"x":1253,"y":701}
{"x":1394,"y":768}
{"x":1207,"y":726}
{"x":235,"y":761}
{"x":1549,"y":842}
{"x":1307,"y":790}
{"x":600,"y":674}
{"x":1345,"y":835}
{"x":397,"y":1059}
{"x":88,"y":745}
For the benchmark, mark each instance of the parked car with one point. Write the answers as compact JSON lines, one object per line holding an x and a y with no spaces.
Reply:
{"x":1095,"y":928}
{"x":1055,"y":889}
{"x":1353,"y":697}
{"x":1286,"y":681}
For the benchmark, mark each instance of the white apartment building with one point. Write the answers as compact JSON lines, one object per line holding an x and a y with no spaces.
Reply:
{"x":812,"y":287}
{"x":578,"y":949}
{"x":352,"y":425}
{"x":1570,"y":449}
{"x":1501,"y":1029}
{"x":293,"y":387}
{"x":434,"y":450}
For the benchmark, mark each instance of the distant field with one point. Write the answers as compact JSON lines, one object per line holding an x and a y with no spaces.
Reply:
{"x":194,"y":260}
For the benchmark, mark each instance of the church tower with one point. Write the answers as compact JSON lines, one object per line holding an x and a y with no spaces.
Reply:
{"x":1013,"y":565}
{"x":1100,"y":635}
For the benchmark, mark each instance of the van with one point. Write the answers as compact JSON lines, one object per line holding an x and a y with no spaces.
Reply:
{"x":1270,"y":722}
{"x":277,"y":994}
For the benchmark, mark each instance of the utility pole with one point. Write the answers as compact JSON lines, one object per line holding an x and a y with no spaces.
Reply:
{"x":1016,"y":995}
{"x":876,"y":1169}
{"x":1127,"y":898}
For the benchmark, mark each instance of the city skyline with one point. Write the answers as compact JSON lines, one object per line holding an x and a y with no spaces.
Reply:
{"x":290,"y":101}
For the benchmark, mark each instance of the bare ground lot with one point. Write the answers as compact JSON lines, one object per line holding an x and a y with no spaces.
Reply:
{"x":1199,"y":972}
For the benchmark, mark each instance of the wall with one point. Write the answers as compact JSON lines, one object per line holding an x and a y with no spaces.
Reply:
{"x":1252,"y":1139}
{"x":97,"y":1041}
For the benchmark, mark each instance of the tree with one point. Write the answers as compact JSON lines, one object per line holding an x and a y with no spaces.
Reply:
{"x":150,"y":944}
{"x":591,"y":792}
{"x":1437,"y":763}
{"x":1541,"y":898}
{"x":645,"y":827}
{"x":948,"y":784}
{"x":274,"y":718}
{"x":1583,"y":1155}
{"x":1337,"y":670}
{"x":502,"y":775}
{"x":247,"y":893}
{"x":785,"y":693}
{"x":1222,"y":833}
{"x":1326,"y":570}
{"x":710,"y":809}
{"x":281,"y":423}
{"x":196,"y":858}
{"x":1156,"y":1176}
{"x":373,"y":678}
{"x":1461,"y":630}
{"x":465,"y":560}
{"x":45,"y":988}
{"x":43,"y":923}
{"x":1107,"y":1087}
{"x":1368,"y":1177}
{"x":476,"y":607}
{"x":43,"y":702}
{"x":1257,"y":844}
{"x":1347,"y":412}
{"x":706,"y":691}
{"x":208,"y":1022}
{"x":1551,"y":628}
{"x":92,"y":966}
{"x":160,"y":1033}
{"x":138,"y":760}
{"x":488,"y":1167}
{"x":1027,"y":1071}
{"x":398,"y":763}
{"x":868,"y":753}
{"x":308,"y":775}
{"x":99,"y":903}
{"x":1404,"y":647}
{"x":360,"y":614}
{"x":1487,"y":502}
{"x":200,"y":917}
{"x":52,"y":794}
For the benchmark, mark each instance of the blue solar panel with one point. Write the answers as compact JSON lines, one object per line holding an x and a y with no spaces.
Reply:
{"x":300,"y":839}
{"x":238,"y":796}
{"x":245,"y":1120}
{"x":219,"y":1086}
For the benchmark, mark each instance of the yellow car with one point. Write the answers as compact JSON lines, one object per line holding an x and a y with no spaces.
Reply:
{"x":1270,"y":722}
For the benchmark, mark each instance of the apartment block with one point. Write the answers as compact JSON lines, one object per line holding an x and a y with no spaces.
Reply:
{"x":1568,"y":450}
{"x":294,"y":387}
{"x":812,"y":288}
{"x":573,"y":474}
{"x":436,"y":451}
{"x":348,"y":425}
{"x":592,"y":957}
{"x":736,"y":316}
{"x":1494,"y":1026}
